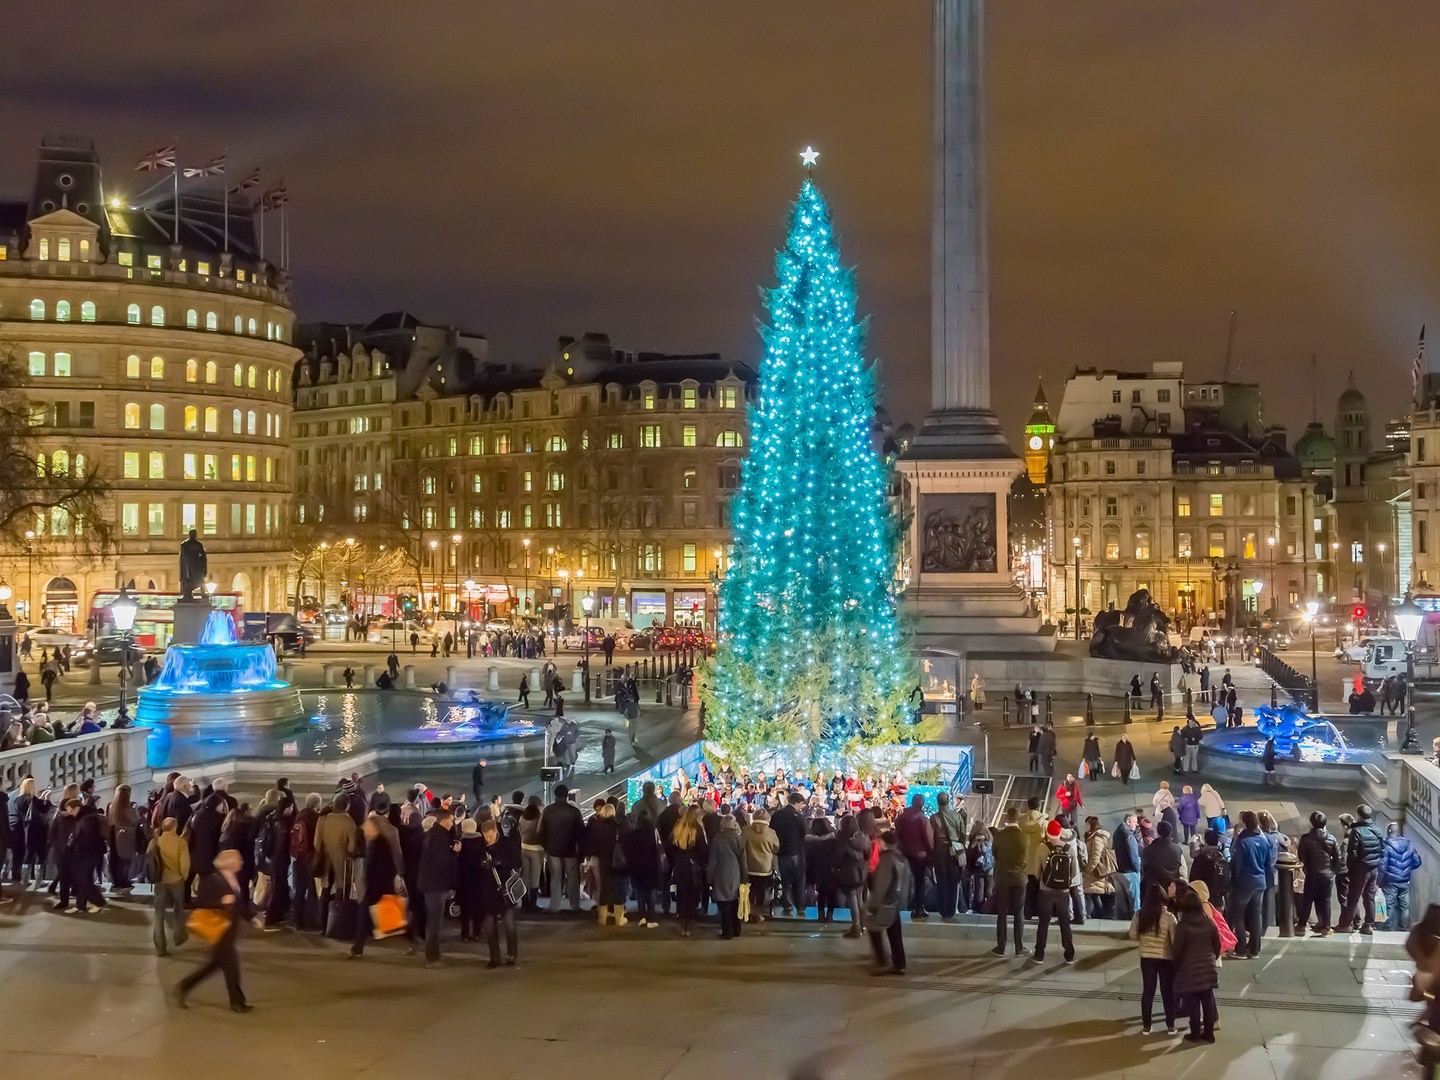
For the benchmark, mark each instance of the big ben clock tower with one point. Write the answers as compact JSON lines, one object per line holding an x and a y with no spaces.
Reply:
{"x":1039,"y":439}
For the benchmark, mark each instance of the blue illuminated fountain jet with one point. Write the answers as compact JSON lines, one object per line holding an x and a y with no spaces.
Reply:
{"x":219,"y":683}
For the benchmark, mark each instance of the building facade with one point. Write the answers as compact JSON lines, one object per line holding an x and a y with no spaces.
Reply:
{"x":155,"y":354}
{"x":1151,"y":487}
{"x":596,"y":472}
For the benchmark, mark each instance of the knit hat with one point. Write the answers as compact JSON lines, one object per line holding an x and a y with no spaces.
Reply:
{"x":1201,"y":890}
{"x":1053,"y":829}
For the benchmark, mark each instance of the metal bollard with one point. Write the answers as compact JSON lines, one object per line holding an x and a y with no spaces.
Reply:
{"x":1127,"y":709}
{"x":1274,"y":698}
{"x":1090,"y":708}
{"x":1160,"y":710}
{"x":1005,"y":712}
{"x":1049,"y":708}
{"x":1285,"y":895}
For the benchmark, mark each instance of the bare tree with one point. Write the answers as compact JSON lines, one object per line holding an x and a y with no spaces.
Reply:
{"x":36,"y":483}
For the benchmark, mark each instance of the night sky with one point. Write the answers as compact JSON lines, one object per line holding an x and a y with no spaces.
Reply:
{"x":532,"y":168}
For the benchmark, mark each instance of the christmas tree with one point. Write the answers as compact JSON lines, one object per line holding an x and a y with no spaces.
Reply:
{"x":810,"y":660}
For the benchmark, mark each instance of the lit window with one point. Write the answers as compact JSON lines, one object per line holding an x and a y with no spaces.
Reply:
{"x":1182,"y":505}
{"x":157,"y":367}
{"x":132,"y":314}
{"x":688,"y":436}
{"x":132,"y":465}
{"x":210,"y":519}
{"x":37,"y":309}
{"x":526,"y":519}
{"x":87,"y":311}
{"x":251,"y":325}
{"x":157,"y":465}
{"x":687,"y":397}
{"x":477,"y":445}
{"x":502,"y":444}
{"x":62,"y":311}
{"x":157,"y":316}
{"x":730,"y":439}
{"x":62,"y":364}
{"x":191,"y":467}
{"x":727,"y":397}
{"x":650,"y":435}
{"x":239,"y":326}
{"x":527,"y":482}
{"x":187,"y":518}
{"x":212,"y":321}
{"x":649,"y":399}
{"x":192,"y":319}
{"x":555,"y":444}
{"x":192,"y":418}
{"x":239,"y":374}
{"x":251,"y":379}
{"x":153,"y":262}
{"x":250,"y":422}
{"x":132,"y":366}
{"x":62,"y":249}
{"x":1142,"y":543}
{"x":37,"y":363}
{"x":475,"y":485}
{"x":212,"y":470}
{"x":44,"y":247}
{"x":212,"y":418}
{"x":80,"y":466}
{"x":192,"y":370}
{"x":689,"y":481}
{"x":687,"y":559}
{"x":1217,"y":543}
{"x":250,"y":467}
{"x":615,"y":441}
{"x":157,"y":417}
{"x":130,"y":519}
{"x":132,"y":415}
{"x":210,"y":372}
{"x":237,"y":422}
{"x":1217,"y":505}
{"x":555,"y":480}
{"x":234,"y":466}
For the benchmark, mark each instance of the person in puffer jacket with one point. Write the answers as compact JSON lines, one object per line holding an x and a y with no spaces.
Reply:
{"x":1364,"y":851}
{"x":1399,"y":863}
{"x":1250,"y":858}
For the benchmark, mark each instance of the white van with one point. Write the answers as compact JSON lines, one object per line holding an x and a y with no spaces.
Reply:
{"x":1384,"y":656}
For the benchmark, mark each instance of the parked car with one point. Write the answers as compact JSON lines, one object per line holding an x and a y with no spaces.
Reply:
{"x":53,"y":637}
{"x":400,"y":631}
{"x":575,"y":639}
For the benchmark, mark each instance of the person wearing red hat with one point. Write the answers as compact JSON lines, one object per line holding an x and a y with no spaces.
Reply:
{"x":1059,"y":871}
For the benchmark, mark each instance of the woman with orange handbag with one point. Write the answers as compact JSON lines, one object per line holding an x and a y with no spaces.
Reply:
{"x":219,"y":905}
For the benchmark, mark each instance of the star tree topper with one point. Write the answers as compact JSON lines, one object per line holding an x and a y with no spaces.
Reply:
{"x":809,"y":156}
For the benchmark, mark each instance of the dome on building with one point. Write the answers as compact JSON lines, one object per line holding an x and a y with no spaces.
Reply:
{"x":1315,"y":448}
{"x":1352,"y":400}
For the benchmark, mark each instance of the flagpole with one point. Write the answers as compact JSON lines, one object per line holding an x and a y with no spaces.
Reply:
{"x":260,"y":209}
{"x":285,"y":235}
{"x":225,"y":186}
{"x":175,"y":172}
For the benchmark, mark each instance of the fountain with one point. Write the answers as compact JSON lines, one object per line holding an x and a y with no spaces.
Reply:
{"x":219,"y":684}
{"x":1310,"y":751}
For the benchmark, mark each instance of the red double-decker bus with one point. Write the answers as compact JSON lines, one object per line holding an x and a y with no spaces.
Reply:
{"x":155,"y":617}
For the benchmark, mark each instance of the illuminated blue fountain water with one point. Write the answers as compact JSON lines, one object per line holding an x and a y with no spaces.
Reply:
{"x":1310,"y":751}
{"x":219,"y":683}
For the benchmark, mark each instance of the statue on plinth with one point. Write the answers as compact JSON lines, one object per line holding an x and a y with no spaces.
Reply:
{"x":192,"y":567}
{"x":1139,"y":633}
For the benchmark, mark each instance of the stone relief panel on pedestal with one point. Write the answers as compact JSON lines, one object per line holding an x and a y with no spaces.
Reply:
{"x":958,"y":533}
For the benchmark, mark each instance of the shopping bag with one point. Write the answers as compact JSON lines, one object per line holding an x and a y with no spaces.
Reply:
{"x":1081,"y":773}
{"x":262,"y":889}
{"x":1135,"y":771}
{"x":1115,"y":770}
{"x":743,"y":913}
{"x":207,"y":924}
{"x":387,"y":916}
{"x":1382,"y":909}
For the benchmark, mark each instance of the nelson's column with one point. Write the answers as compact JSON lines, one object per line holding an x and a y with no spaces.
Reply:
{"x":958,"y":468}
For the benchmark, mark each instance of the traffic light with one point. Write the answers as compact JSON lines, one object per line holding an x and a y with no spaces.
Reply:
{"x":1359,"y":611}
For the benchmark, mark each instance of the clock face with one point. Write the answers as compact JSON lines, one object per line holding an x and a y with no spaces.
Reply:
{"x":1036,"y":442}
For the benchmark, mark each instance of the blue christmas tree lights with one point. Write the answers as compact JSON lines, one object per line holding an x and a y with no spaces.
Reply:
{"x":811,"y":657}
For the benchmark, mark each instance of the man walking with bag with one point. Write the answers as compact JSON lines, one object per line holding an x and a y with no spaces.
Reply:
{"x":949,"y":829}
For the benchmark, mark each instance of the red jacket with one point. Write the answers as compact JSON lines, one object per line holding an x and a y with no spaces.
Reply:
{"x":1069,"y":799}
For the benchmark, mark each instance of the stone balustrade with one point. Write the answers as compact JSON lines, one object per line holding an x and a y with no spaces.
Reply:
{"x":110,"y":758}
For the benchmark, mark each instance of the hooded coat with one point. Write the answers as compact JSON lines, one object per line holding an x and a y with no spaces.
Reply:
{"x":727,"y":861}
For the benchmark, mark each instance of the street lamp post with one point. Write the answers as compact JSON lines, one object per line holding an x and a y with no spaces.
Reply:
{"x":525,"y":592}
{"x":1312,"y":612}
{"x":435,"y":570}
{"x":123,"y":611}
{"x":1384,"y":575}
{"x":457,"y":539}
{"x":1076,"y":541}
{"x":1408,"y":620}
{"x":1274,"y":600}
{"x":587,"y":602}
{"x":30,"y":588}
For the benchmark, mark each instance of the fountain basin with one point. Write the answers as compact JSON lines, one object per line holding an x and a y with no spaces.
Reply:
{"x":1236,"y":754}
{"x":219,"y":684}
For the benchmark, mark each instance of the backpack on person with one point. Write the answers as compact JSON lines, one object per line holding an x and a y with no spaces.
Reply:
{"x":154,"y":864}
{"x":1059,"y":870}
{"x":302,"y":843}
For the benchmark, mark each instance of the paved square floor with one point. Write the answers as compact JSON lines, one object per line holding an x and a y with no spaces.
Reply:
{"x":85,"y":996}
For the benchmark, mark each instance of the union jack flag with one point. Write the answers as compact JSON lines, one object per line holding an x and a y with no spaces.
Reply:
{"x":275,"y":196}
{"x":1417,"y":369}
{"x":252,"y":179}
{"x":214,"y":167}
{"x":160,"y":158}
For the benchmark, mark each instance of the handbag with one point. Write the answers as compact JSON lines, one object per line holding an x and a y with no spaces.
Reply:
{"x":208,"y":924}
{"x":512,"y":890}
{"x":1135,"y":771}
{"x":387,"y":916}
{"x":262,"y":889}
{"x":1081,"y":773}
{"x":1115,"y":770}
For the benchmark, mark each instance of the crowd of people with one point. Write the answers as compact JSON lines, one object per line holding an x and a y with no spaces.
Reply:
{"x":35,"y":724}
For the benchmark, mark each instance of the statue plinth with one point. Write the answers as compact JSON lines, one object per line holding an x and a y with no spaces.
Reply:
{"x":190,"y":616}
